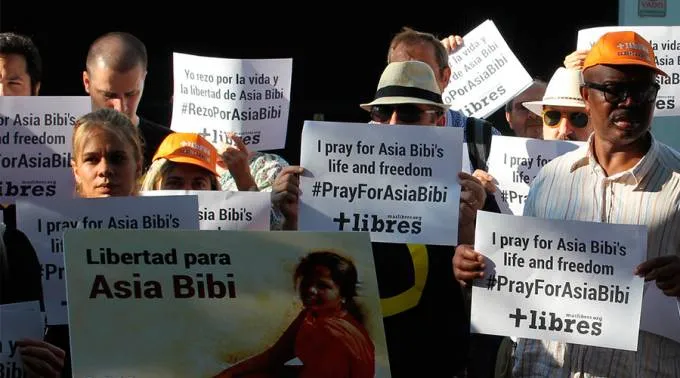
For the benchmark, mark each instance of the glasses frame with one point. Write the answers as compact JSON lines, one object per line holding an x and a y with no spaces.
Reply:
{"x":396,"y":107}
{"x":565,"y":114}
{"x":627,"y":92}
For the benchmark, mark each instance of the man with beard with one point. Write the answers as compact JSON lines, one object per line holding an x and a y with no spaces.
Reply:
{"x":562,"y":107}
{"x":629,"y":178}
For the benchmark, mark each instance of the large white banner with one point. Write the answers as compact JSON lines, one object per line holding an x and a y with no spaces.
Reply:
{"x":665,"y":41}
{"x":227,"y":210}
{"x":250,"y":97}
{"x":514,"y":162}
{"x":560,"y":280}
{"x":35,"y":145}
{"x":400,"y":183}
{"x":485,"y":74}
{"x":44,"y":222}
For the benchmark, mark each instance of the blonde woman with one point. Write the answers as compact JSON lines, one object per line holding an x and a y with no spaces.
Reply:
{"x":107,"y":155}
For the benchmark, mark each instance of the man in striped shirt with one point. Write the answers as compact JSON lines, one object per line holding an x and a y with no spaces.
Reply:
{"x":623,"y":175}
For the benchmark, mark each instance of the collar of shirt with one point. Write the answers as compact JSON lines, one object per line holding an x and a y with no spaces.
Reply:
{"x":632,"y":176}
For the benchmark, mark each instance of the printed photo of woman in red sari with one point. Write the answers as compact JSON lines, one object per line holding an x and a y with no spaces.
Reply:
{"x":328,"y":336}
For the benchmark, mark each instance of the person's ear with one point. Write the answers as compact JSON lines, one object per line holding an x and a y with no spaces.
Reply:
{"x":446,"y":75}
{"x":86,"y":82}
{"x":585,"y":94}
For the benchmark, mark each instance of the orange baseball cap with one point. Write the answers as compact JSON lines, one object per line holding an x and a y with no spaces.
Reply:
{"x":622,"y":48}
{"x":188,"y":148}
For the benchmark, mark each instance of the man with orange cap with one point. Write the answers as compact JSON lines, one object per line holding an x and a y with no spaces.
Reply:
{"x":628,"y":177}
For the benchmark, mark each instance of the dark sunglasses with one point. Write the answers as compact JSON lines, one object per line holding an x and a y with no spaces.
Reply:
{"x":406,"y":113}
{"x":617,"y":93}
{"x":552,"y":118}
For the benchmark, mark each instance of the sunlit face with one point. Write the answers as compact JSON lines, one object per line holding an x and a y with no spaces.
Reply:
{"x":319,"y":292}
{"x":622,"y":121}
{"x":115,"y":90}
{"x":521,"y":120}
{"x":565,"y":129}
{"x":184,"y":176}
{"x":105,"y":166}
{"x":14,"y":78}
{"x":425,"y":53}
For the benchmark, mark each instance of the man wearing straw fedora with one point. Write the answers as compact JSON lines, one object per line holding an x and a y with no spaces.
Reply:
{"x":562,"y":108}
{"x":630,"y":178}
{"x":423,"y":309}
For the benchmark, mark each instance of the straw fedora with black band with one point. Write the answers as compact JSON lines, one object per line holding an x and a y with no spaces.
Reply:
{"x":562,"y":90}
{"x":409,"y":82}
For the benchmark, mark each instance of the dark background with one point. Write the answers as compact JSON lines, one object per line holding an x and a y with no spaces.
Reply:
{"x":338,"y":49}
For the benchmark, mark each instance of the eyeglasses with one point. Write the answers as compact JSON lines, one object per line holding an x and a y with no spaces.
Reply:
{"x":407,"y":113}
{"x":617,"y":93}
{"x":552,"y":118}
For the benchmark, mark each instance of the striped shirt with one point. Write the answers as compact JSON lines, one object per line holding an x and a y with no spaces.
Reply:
{"x":575,"y":187}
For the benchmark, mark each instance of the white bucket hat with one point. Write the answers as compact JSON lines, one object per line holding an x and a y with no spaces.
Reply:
{"x":562,"y":90}
{"x":409,"y":82}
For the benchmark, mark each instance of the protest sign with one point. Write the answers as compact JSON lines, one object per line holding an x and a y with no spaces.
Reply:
{"x":226,"y":210}
{"x":514,"y":162}
{"x":660,"y":313}
{"x":18,"y":321}
{"x":231,"y":296}
{"x":35,"y":145}
{"x":214,"y":96}
{"x":485,"y":74}
{"x":44,"y":222}
{"x":400,"y":183}
{"x":569,"y":281}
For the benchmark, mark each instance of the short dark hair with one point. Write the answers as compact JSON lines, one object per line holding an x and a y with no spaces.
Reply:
{"x":120,"y":51}
{"x":13,"y":43}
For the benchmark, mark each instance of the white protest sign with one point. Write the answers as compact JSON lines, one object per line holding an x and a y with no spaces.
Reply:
{"x":485,"y":74}
{"x":21,"y":306}
{"x":251,"y":97}
{"x":665,"y":41}
{"x":227,"y":210}
{"x":399,"y":183}
{"x":515,"y":161}
{"x":44,"y":223}
{"x":467,"y":165}
{"x":660,"y":313}
{"x":569,"y":281}
{"x":35,"y":145}
{"x":17,"y":325}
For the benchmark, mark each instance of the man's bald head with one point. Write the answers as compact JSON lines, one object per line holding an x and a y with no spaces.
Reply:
{"x":117,"y":51}
{"x":115,"y":73}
